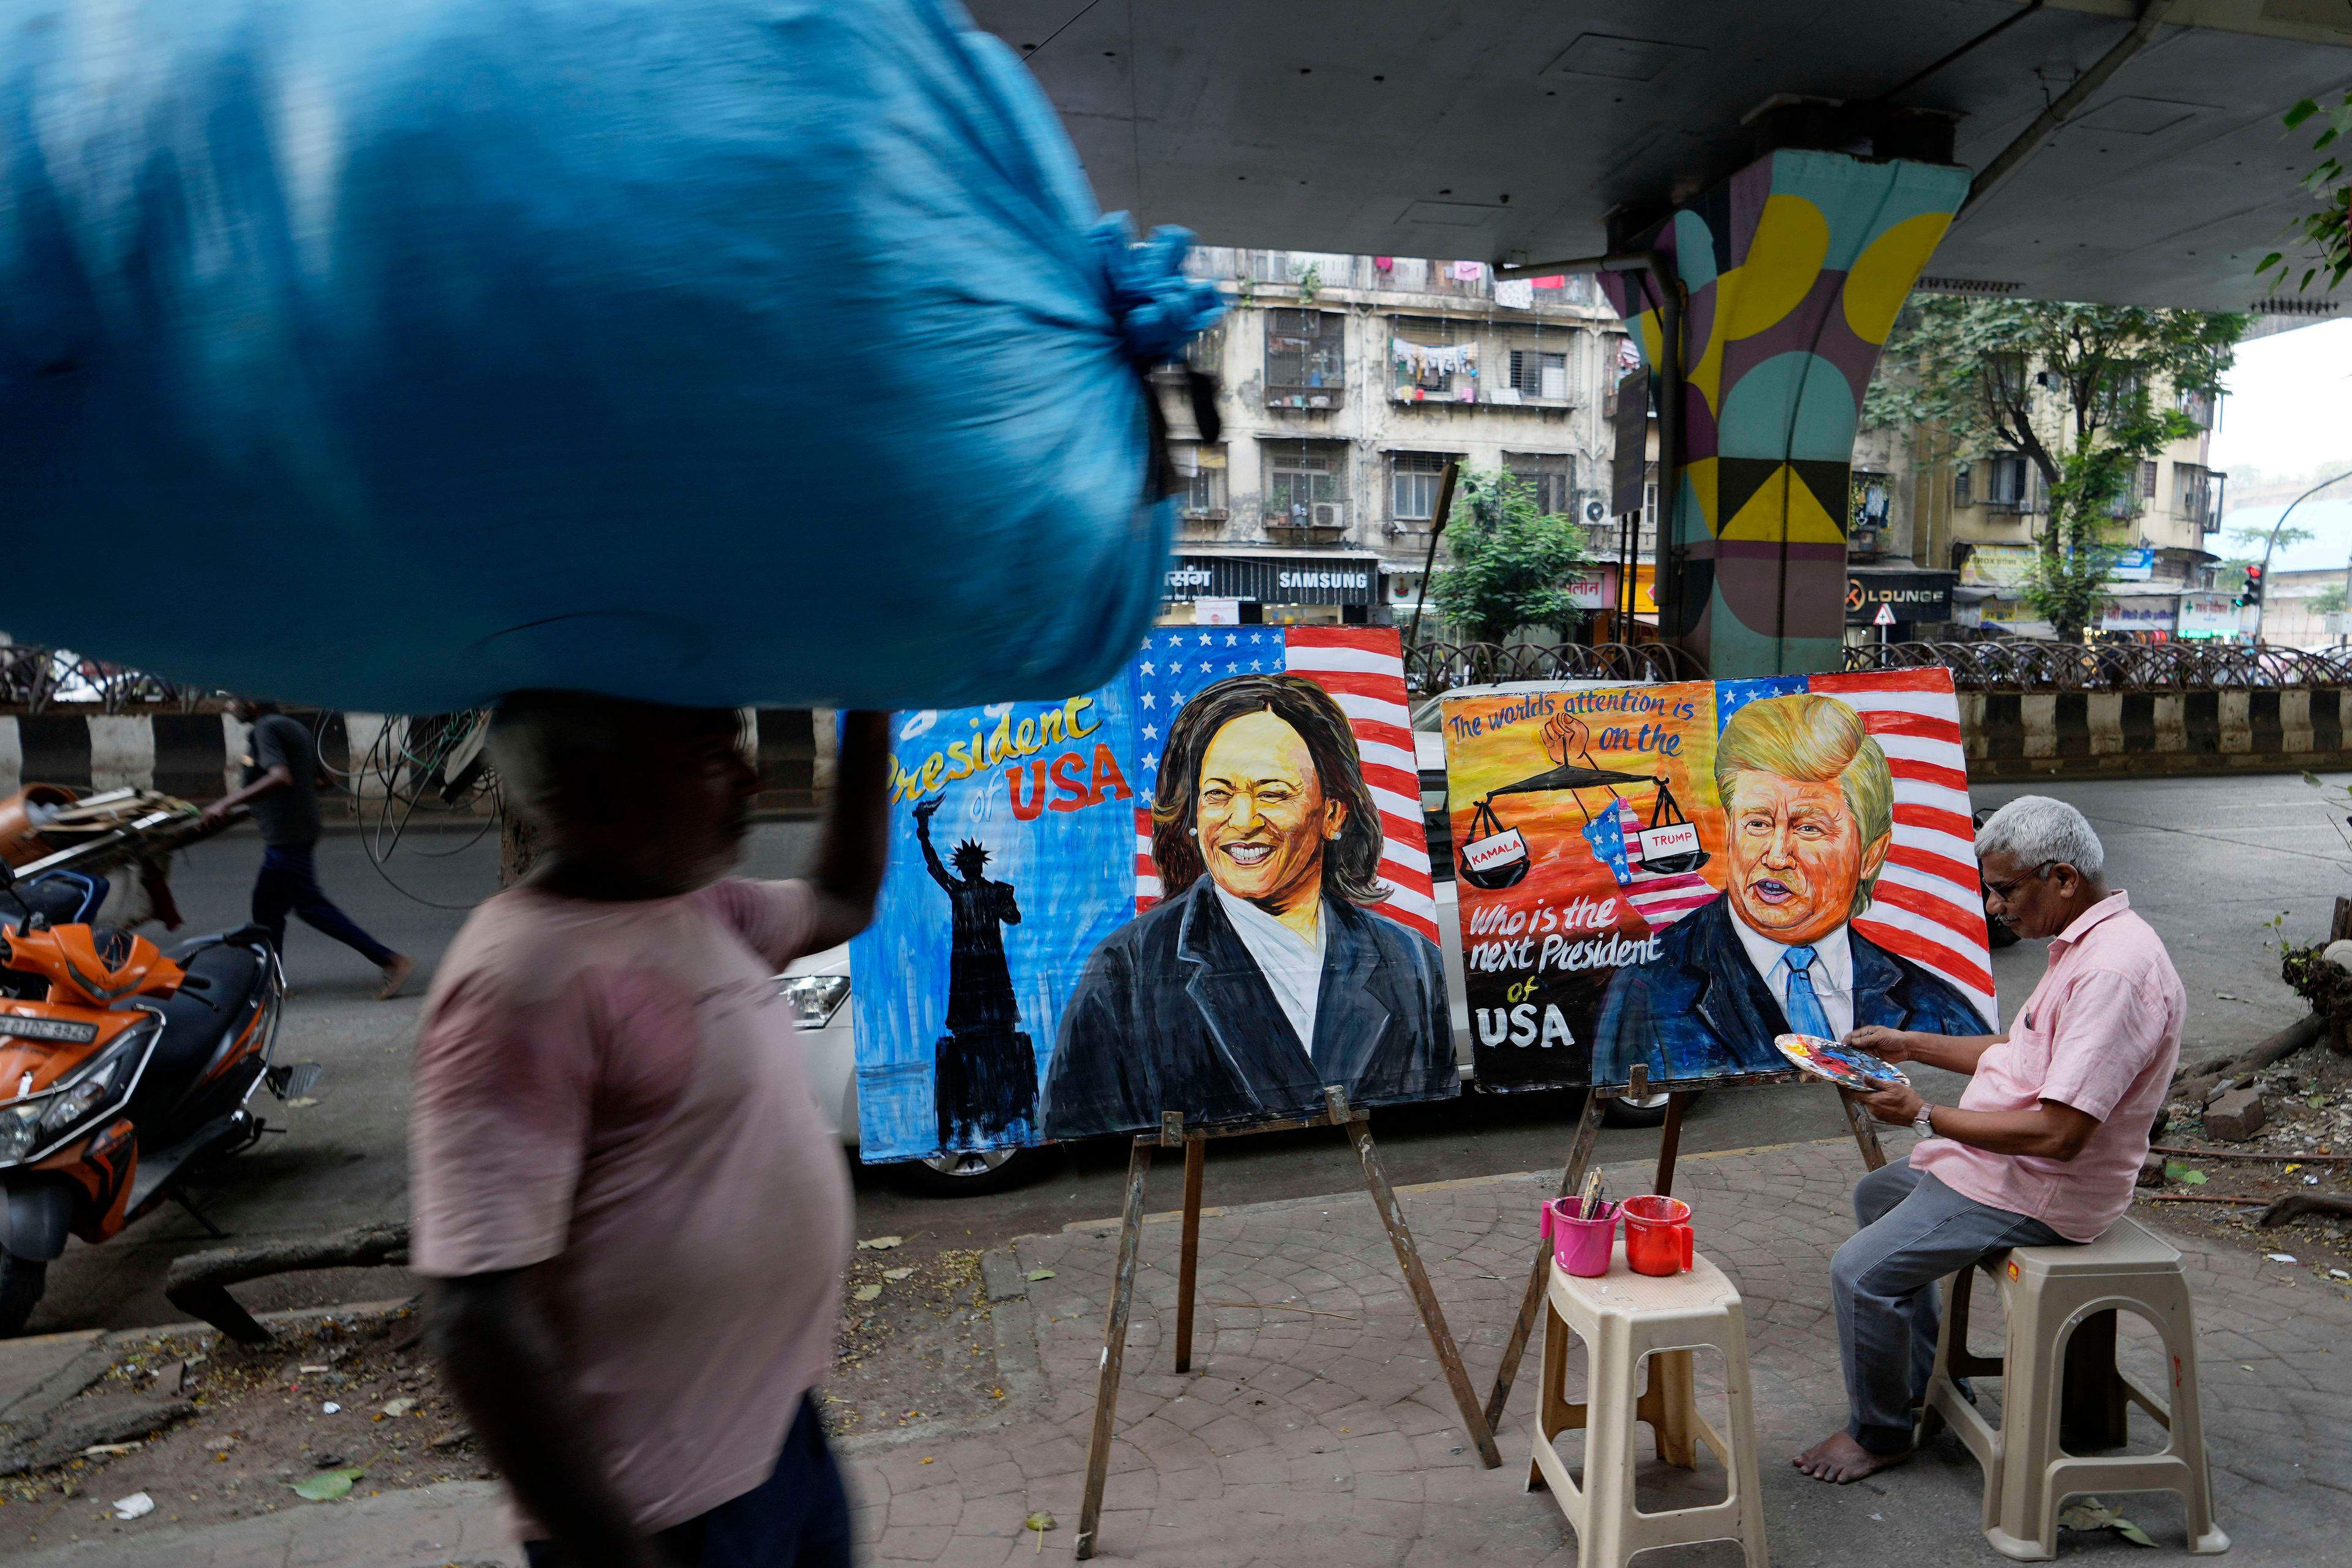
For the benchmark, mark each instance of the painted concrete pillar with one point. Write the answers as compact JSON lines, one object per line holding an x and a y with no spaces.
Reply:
{"x":1795,"y":268}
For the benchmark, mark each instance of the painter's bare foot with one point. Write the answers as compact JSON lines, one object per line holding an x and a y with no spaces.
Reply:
{"x":1839,"y":1458}
{"x":395,"y":975}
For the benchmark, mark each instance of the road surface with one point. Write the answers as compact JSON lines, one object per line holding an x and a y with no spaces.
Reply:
{"x":2208,"y":861}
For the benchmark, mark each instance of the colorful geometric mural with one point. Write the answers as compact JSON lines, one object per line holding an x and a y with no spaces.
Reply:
{"x":1795,"y":269}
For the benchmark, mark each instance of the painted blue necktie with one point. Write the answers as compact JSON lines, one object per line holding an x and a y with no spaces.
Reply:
{"x":1805,"y":1007}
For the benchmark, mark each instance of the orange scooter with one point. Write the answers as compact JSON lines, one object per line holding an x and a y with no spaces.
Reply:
{"x":125,"y":1074}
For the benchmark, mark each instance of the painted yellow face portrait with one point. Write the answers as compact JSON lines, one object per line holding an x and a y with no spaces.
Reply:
{"x":1262,"y":819}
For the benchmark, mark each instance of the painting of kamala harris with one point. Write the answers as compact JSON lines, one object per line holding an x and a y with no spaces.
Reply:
{"x":1268,"y":968}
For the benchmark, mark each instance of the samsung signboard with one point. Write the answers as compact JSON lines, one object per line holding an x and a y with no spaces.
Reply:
{"x":1268,"y":579}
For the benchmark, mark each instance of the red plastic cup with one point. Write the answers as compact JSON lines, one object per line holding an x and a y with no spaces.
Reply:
{"x":1658,"y":1238}
{"x":1581,"y":1246}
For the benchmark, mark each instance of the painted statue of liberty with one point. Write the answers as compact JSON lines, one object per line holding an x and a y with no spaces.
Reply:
{"x":985,"y":1081}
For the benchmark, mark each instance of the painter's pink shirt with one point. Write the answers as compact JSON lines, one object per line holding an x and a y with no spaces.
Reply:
{"x":2101,"y":1033}
{"x":613,"y":1092}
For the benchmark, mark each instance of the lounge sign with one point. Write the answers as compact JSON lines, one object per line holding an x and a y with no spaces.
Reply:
{"x":1912,"y":596}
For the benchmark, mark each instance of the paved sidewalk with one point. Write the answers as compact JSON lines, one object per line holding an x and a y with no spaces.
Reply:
{"x":1325,"y":1433}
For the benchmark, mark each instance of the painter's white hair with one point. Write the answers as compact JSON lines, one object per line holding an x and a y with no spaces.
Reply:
{"x":2034,"y":829}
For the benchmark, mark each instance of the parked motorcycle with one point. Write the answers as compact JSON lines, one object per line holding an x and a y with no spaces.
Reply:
{"x":124,"y":1070}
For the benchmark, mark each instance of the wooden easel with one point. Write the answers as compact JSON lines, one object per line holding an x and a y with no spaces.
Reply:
{"x":1194,"y":1141}
{"x":1579,"y":1155}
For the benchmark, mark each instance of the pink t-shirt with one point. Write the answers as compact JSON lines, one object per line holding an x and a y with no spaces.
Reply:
{"x":2101,"y":1033}
{"x":617,"y":1089}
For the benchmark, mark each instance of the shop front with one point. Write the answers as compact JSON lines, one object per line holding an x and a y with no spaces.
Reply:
{"x":1894,"y":603}
{"x":1264,"y":587}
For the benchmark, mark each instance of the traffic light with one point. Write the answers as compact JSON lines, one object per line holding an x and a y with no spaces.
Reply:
{"x":2252,"y":594}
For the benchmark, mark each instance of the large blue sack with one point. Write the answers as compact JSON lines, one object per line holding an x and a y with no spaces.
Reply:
{"x":717,"y":352}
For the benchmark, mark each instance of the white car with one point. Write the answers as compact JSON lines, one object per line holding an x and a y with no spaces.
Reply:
{"x":818,"y":988}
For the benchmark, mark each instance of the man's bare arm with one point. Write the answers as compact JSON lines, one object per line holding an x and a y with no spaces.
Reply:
{"x":1952,"y":1053}
{"x":500,"y":1352}
{"x":2051,"y":1129}
{"x":278,"y":777}
{"x":856,"y":848}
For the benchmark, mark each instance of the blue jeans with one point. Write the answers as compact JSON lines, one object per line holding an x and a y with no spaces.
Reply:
{"x":797,"y":1517}
{"x":288,"y":883}
{"x":1915,"y":1230}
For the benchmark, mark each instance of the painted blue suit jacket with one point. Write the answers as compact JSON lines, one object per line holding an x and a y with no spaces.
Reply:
{"x":1700,"y":1010}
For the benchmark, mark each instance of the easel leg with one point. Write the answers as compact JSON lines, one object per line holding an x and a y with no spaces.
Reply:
{"x":1670,"y":1143}
{"x":1196,"y":1152}
{"x":1433,"y":1316}
{"x":1865,"y":1131}
{"x":1122,"y":1300}
{"x":1579,"y":1154}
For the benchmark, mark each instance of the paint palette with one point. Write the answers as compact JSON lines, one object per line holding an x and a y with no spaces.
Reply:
{"x":1841,"y":1065}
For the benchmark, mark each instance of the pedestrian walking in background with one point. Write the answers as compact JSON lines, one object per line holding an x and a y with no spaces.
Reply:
{"x":281,"y":783}
{"x":2046,"y":1143}
{"x":634,"y":1214}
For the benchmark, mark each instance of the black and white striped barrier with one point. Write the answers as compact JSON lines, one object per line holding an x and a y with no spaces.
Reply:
{"x":201,"y":756}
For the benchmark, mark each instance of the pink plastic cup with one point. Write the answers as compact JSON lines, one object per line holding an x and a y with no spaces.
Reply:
{"x":1580,"y":1246}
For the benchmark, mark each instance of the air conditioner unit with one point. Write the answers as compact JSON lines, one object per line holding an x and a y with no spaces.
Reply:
{"x":1329,"y":514}
{"x":1594,"y":512}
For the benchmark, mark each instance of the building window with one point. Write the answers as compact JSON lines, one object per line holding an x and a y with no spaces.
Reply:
{"x":1869,"y":501}
{"x":2121,"y":394}
{"x":1536,"y":372}
{"x":2199,"y":406}
{"x":1964,"y":475}
{"x":1432,"y":359}
{"x":1415,"y":479}
{"x":2193,"y":495}
{"x":1305,"y":484}
{"x":2008,"y":485}
{"x":1203,"y":470}
{"x":1306,"y":359}
{"x":2148,"y":479}
{"x":1552,"y":475}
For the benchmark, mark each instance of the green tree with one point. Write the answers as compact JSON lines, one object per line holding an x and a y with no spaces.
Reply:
{"x":1512,"y":564}
{"x":2083,"y":392}
{"x":2325,"y":233}
{"x":2328,"y":601}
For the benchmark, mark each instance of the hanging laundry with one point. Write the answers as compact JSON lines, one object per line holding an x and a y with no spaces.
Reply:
{"x":1469,"y":272}
{"x":1516,"y":293}
{"x":1549,"y":283}
{"x":1383,"y":263}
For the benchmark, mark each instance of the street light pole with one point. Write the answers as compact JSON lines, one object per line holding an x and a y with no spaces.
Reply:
{"x":2264,"y":603}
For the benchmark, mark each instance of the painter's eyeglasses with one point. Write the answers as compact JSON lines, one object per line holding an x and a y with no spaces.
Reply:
{"x":2008,"y":889}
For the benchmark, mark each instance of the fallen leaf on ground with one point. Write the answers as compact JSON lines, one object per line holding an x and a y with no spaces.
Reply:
{"x":1036,"y":1274}
{"x":866,"y":1293}
{"x":1040,"y":1522}
{"x":880,"y":1244}
{"x":895,"y":1273}
{"x":300,"y":1102}
{"x":328,"y":1485}
{"x":2092,"y":1514}
{"x":2174,"y":1171}
{"x":138,"y":1505}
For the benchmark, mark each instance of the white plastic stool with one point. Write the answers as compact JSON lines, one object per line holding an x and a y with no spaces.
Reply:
{"x":2047,"y":1294}
{"x":1622,"y":1317}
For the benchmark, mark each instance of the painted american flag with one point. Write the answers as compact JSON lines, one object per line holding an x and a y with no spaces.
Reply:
{"x":1660,"y":898}
{"x":1927,"y":905}
{"x":1363,"y":669}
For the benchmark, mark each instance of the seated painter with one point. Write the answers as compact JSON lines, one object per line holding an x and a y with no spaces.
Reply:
{"x":2045,"y":1144}
{"x":1264,"y":974}
{"x":1808,"y":814}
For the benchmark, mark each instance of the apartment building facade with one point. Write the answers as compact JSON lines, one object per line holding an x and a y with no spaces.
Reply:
{"x":1968,"y":524}
{"x":1348,"y":383}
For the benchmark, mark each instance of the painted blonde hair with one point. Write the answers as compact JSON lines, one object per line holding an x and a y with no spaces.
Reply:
{"x":1814,"y":740}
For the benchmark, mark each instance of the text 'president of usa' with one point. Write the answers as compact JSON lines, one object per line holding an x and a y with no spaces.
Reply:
{"x":1809,"y":817}
{"x":1261,"y":977}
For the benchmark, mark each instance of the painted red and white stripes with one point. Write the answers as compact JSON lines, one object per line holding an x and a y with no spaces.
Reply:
{"x":1927,"y":905}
